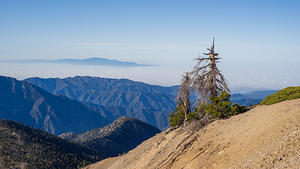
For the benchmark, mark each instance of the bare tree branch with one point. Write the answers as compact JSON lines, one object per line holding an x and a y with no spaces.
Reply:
{"x":207,"y":79}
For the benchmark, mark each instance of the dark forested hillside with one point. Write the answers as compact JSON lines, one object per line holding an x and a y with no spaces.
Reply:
{"x":25,"y":147}
{"x":29,"y":104}
{"x":121,"y":136}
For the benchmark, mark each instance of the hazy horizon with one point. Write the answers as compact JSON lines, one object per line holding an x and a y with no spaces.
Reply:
{"x":132,"y":73}
{"x":258,"y":41}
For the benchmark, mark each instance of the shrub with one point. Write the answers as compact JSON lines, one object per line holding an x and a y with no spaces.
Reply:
{"x":288,"y":93}
{"x":177,"y":116}
{"x":217,"y":108}
{"x":237,"y":109}
{"x":192,"y":115}
{"x":220,"y":107}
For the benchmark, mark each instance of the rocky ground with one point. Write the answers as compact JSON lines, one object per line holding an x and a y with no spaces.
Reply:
{"x":264,"y":137}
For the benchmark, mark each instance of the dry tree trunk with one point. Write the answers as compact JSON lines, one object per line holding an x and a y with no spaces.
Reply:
{"x":184,"y":96}
{"x":207,"y":79}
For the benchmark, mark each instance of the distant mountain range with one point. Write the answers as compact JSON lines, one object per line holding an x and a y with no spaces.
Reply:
{"x":119,"y":137}
{"x":150,"y":103}
{"x":24,"y":147}
{"x":99,"y":102}
{"x":251,"y":98}
{"x":26,"y":103}
{"x":88,"y":61}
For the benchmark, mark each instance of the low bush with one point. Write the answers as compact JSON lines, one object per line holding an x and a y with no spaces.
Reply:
{"x":217,"y":108}
{"x":237,"y":109}
{"x":177,"y":116}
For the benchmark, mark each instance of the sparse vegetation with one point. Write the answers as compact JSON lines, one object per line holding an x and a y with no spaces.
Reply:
{"x":177,"y":116}
{"x":207,"y":79}
{"x":213,"y":93}
{"x":237,"y":109}
{"x":288,"y":93}
{"x":220,"y":107}
{"x":217,"y":108}
{"x":184,"y":97}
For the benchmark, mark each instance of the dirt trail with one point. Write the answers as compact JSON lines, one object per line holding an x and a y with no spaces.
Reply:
{"x":264,"y":137}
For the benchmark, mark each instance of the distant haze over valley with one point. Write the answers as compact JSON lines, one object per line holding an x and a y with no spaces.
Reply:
{"x":156,"y":75}
{"x":88,"y":61}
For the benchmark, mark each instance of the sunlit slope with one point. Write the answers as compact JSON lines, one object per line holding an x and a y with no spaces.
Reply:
{"x":268,"y":136}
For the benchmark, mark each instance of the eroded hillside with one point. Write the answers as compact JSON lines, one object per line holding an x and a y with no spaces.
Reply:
{"x":264,"y":137}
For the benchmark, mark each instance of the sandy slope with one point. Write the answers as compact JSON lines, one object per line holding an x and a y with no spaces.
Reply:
{"x":264,"y":137}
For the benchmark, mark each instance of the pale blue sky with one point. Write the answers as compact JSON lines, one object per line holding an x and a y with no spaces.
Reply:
{"x":259,"y":40}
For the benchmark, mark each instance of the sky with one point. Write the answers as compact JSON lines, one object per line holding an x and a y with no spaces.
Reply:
{"x":258,"y":40}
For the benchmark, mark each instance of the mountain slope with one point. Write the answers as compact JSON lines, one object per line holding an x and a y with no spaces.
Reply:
{"x":25,"y":147}
{"x":119,"y":137}
{"x":29,"y":104}
{"x":264,"y":137}
{"x":288,"y":93}
{"x":149,"y":103}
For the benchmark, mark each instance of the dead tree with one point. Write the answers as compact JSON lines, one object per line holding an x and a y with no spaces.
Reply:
{"x":184,"y":96}
{"x":207,"y":79}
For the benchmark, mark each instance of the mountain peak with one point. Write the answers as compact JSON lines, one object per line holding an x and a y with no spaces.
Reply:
{"x":122,"y":135}
{"x":120,"y":124}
